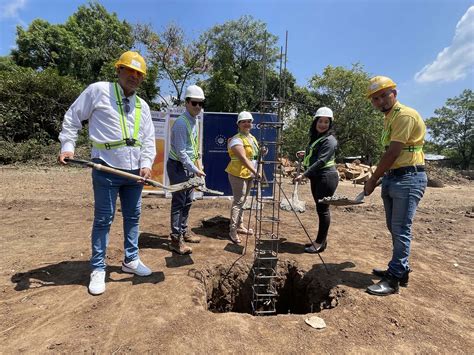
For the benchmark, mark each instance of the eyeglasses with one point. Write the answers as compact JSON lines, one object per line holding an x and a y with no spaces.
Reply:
{"x":126,"y":105}
{"x":196,"y":103}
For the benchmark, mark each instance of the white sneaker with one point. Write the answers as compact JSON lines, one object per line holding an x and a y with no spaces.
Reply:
{"x":136,"y":267}
{"x":97,"y":283}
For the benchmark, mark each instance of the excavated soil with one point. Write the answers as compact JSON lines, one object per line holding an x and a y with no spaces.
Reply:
{"x":200,"y":303}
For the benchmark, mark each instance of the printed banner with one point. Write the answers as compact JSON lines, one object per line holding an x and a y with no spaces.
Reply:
{"x":163,"y":121}
{"x":217,"y":129}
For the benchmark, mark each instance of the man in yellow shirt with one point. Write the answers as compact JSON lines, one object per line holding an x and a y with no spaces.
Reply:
{"x":404,"y":179}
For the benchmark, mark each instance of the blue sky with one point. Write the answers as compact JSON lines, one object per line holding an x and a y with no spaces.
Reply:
{"x":426,"y":46}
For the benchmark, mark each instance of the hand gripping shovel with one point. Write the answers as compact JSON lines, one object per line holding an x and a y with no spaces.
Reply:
{"x":295,"y":203}
{"x":200,"y":183}
{"x":108,"y":169}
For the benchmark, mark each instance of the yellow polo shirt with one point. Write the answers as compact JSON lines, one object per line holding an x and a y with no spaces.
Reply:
{"x":406,"y":126}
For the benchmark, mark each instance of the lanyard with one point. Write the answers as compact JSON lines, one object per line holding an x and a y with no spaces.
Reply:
{"x":194,"y":139}
{"x":253,"y":143}
{"x":123,"y":119}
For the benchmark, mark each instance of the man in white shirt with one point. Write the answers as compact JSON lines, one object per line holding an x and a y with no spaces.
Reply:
{"x":123,"y":137}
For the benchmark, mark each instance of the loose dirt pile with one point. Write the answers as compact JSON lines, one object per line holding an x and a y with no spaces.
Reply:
{"x":439,"y":176}
{"x":199,"y":303}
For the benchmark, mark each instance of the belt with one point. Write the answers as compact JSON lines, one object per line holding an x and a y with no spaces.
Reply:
{"x":405,"y":170}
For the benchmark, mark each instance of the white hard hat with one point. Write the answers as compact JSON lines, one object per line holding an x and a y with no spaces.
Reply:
{"x":324,"y":112}
{"x":194,"y":92}
{"x":244,"y":115}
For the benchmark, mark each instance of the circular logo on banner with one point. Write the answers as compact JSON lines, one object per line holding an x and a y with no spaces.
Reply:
{"x":220,"y":140}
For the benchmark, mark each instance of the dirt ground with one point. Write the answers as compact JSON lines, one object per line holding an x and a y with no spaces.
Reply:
{"x":45,"y":307}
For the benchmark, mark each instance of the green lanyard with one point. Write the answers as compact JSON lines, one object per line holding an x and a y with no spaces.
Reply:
{"x":306,"y":159}
{"x":126,"y":141}
{"x":192,"y":137}
{"x":253,"y":143}
{"x":387,"y":129}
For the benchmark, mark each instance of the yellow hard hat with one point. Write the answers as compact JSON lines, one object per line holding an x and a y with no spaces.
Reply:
{"x":132,"y":60}
{"x":378,"y":83}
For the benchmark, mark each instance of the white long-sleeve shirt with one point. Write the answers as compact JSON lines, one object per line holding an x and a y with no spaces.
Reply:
{"x":97,"y":103}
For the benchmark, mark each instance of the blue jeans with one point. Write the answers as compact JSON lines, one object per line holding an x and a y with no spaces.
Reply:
{"x":106,"y":188}
{"x":181,"y":201}
{"x":401,"y":195}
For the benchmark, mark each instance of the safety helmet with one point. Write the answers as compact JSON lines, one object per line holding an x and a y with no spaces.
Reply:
{"x":194,"y":92}
{"x":244,"y":115}
{"x":324,"y":111}
{"x":378,"y":83}
{"x":132,"y":60}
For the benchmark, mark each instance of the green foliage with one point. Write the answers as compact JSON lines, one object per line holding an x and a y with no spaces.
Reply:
{"x":33,"y":150}
{"x":178,"y":60}
{"x":28,"y":150}
{"x":32,"y":104}
{"x":301,"y":105}
{"x":90,"y":40}
{"x":453,"y":128}
{"x":7,"y":64}
{"x":237,"y":50}
{"x":357,"y":124}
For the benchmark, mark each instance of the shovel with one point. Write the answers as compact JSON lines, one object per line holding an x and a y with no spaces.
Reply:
{"x":295,"y":203}
{"x":344,"y":201}
{"x":108,"y":169}
{"x":200,"y":182}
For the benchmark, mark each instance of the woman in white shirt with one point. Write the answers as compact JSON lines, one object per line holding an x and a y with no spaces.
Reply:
{"x":243,"y":151}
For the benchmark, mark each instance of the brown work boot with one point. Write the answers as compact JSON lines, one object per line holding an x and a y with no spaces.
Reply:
{"x":178,"y":246}
{"x":191,"y":238}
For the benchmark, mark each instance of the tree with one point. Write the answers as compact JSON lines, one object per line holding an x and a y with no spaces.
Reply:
{"x":358,"y":125}
{"x":91,"y":39}
{"x":44,"y":45}
{"x":32,"y":104}
{"x":301,"y":104}
{"x":7,"y":64}
{"x":238,"y":50}
{"x":453,"y":128}
{"x":178,"y":60}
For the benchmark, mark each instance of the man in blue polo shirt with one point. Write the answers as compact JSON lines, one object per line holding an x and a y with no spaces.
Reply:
{"x":183,"y":164}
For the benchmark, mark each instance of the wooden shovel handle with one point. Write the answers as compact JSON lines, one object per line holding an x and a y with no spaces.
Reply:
{"x":118,"y":172}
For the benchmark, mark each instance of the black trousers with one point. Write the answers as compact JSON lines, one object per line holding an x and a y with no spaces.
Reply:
{"x":324,"y":184}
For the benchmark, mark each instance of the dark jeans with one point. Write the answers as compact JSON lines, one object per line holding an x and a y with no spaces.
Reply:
{"x":181,"y":200}
{"x":323,"y":185}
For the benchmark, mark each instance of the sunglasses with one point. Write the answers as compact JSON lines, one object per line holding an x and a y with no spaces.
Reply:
{"x":197,"y":103}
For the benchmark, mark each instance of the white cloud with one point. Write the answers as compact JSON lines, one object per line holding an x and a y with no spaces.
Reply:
{"x":9,"y":9}
{"x":457,"y":60}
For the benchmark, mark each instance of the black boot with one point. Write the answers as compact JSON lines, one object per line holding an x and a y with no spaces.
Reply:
{"x":403,"y":279}
{"x":312,"y":250}
{"x":387,"y":286}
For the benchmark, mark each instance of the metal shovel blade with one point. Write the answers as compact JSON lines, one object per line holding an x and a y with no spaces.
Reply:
{"x":340,"y":201}
{"x":360,"y":197}
{"x":295,"y":203}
